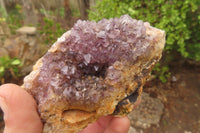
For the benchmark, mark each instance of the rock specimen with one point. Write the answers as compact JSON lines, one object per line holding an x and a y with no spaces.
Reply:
{"x":95,"y":69}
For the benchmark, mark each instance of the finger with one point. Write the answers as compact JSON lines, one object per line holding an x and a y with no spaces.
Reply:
{"x":20,"y":110}
{"x":99,"y":126}
{"x":137,"y":102}
{"x":118,"y":125}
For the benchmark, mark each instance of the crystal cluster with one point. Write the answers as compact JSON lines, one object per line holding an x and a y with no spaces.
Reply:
{"x":95,"y":69}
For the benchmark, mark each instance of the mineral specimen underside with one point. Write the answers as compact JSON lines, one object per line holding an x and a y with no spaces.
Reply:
{"x":93,"y":70}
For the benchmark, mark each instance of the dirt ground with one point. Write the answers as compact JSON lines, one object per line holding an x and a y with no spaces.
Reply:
{"x":181,"y":98}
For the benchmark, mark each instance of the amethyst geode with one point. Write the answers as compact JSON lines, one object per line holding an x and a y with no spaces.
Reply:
{"x":95,"y":69}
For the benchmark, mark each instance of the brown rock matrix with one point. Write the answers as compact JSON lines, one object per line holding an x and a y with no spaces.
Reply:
{"x":93,"y":70}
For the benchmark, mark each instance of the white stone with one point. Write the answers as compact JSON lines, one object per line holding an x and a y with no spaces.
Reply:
{"x":27,"y":30}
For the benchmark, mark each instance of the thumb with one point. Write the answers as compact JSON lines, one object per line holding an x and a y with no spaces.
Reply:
{"x":20,"y":110}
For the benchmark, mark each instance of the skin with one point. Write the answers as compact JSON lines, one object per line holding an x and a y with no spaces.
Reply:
{"x":21,"y":116}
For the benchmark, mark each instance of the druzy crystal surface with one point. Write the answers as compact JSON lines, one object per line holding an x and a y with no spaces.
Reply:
{"x":95,"y":69}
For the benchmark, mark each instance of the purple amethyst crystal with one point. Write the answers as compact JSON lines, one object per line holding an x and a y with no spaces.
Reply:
{"x":93,"y":70}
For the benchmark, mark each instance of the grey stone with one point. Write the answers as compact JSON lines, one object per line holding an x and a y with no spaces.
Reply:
{"x":132,"y":130}
{"x":147,"y":113}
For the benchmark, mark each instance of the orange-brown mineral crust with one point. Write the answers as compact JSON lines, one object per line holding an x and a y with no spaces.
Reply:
{"x":93,"y":70}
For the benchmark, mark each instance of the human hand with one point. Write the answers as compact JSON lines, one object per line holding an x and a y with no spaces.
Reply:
{"x":21,"y":116}
{"x":20,"y":110}
{"x":109,"y":124}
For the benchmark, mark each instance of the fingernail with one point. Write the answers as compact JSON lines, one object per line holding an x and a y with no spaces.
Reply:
{"x":137,"y":103}
{"x":3,"y":106}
